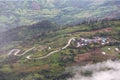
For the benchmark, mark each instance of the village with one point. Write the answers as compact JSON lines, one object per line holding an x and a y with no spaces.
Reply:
{"x":95,"y":40}
{"x":105,"y":52}
{"x":102,"y":41}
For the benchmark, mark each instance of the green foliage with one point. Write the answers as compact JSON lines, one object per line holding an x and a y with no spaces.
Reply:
{"x":49,"y":34}
{"x":17,"y":13}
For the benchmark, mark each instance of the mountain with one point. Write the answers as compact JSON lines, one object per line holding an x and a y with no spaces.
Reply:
{"x":43,"y":39}
{"x":53,"y":67}
{"x":15,"y":13}
{"x":27,"y":32}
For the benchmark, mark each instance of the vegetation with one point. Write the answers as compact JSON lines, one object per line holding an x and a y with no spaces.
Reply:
{"x":50,"y":35}
{"x":47,"y":25}
{"x":24,"y":12}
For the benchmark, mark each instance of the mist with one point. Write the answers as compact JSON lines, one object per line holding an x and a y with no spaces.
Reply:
{"x":108,"y":70}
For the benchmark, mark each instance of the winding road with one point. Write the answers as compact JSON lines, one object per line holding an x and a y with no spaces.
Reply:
{"x":26,"y":51}
{"x":16,"y":51}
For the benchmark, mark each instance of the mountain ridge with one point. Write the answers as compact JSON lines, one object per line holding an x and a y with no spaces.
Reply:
{"x":18,"y":13}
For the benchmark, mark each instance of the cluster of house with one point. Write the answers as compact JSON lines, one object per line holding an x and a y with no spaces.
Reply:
{"x":86,"y":41}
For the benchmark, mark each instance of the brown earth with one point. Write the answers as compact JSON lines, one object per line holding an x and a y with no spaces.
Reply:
{"x":103,"y":30}
{"x":92,"y":56}
{"x":31,"y":69}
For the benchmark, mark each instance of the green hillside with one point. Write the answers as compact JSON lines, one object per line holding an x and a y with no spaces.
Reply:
{"x":17,"y":13}
{"x":39,"y":39}
{"x":53,"y":67}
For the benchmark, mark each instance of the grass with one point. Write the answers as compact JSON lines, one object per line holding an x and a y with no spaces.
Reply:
{"x":73,"y":29}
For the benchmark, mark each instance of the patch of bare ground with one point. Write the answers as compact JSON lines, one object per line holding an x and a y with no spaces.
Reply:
{"x":92,"y":56}
{"x":92,"y":32}
{"x":103,"y":30}
{"x":31,"y":69}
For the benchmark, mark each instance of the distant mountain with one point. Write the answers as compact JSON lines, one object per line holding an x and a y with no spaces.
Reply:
{"x":24,"y":12}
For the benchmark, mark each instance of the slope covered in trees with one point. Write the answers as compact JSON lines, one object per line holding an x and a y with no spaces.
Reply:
{"x":24,"y":12}
{"x":53,"y":67}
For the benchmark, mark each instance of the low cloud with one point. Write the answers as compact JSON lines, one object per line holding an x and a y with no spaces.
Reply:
{"x":108,"y":70}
